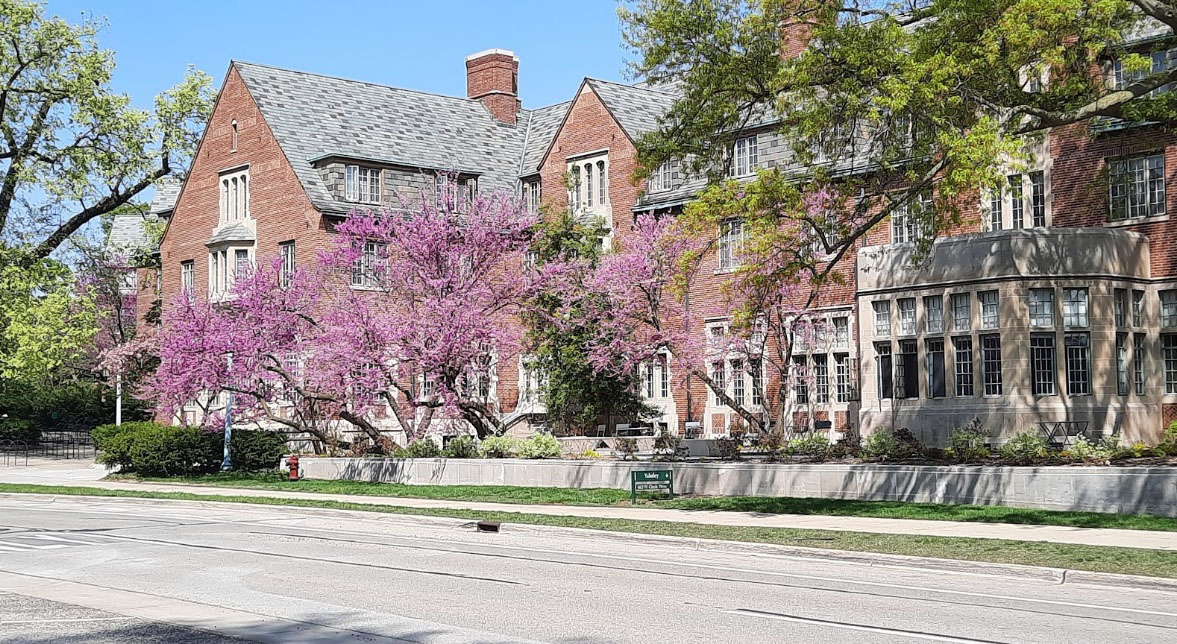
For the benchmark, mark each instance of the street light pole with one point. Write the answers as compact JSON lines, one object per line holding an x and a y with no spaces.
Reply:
{"x":118,"y":398}
{"x":226,"y":461}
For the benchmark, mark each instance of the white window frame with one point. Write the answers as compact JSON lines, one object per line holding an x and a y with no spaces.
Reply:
{"x":939,"y":317}
{"x":1168,"y":299}
{"x":744,"y":156}
{"x":730,"y":241}
{"x":531,"y":195}
{"x":362,"y":271}
{"x":1041,"y":311}
{"x":1136,"y":187}
{"x":882,"y":311}
{"x":363,"y":184}
{"x":660,"y":178}
{"x":588,"y":189}
{"x":961,"y":302}
{"x":990,"y":305}
{"x":1076,"y":308}
{"x":234,"y":196}
{"x":904,"y":227}
{"x":188,"y":279}
{"x":906,"y":307}
{"x":286,"y":250}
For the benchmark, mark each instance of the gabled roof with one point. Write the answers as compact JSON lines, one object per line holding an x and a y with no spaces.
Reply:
{"x":635,"y":107}
{"x":314,"y":116}
{"x":126,"y":232}
{"x":167,"y":191}
{"x":542,"y":126}
{"x":237,"y":232}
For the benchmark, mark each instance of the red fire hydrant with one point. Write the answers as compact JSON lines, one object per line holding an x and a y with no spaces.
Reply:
{"x":293,"y":463}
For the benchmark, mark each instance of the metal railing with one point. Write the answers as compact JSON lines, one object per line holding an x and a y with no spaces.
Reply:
{"x":14,"y":452}
{"x":52,"y":443}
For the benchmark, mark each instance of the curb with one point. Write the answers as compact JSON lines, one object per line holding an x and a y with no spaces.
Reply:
{"x":1017,"y":571}
{"x":1057,"y":575}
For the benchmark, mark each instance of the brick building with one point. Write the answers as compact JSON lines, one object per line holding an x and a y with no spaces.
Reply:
{"x":1057,"y":303}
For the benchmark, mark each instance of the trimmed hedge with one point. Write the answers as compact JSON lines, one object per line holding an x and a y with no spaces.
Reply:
{"x":152,"y":449}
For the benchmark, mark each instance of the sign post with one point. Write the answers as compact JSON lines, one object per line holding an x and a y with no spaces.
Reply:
{"x":651,"y":481}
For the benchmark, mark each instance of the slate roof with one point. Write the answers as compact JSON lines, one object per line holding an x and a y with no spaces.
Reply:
{"x":126,"y":230}
{"x":167,"y":191}
{"x":313,"y":116}
{"x":238,"y":232}
{"x":542,"y":126}
{"x":636,"y":107}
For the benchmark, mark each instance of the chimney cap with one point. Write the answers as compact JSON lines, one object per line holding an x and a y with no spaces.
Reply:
{"x":488,"y":52}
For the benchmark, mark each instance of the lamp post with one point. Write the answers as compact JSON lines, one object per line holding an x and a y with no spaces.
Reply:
{"x":226,"y":461}
{"x":118,"y":398}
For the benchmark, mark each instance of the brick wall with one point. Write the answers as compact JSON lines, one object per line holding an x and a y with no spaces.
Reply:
{"x":1079,"y":182}
{"x":277,"y":201}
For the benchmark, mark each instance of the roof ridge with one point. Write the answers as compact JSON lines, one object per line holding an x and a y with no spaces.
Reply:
{"x":640,"y":85}
{"x":353,"y":80}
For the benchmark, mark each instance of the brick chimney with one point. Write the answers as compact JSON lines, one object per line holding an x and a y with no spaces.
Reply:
{"x":492,"y":76}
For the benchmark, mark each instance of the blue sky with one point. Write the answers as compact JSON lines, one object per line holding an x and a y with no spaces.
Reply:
{"x":417,"y":45}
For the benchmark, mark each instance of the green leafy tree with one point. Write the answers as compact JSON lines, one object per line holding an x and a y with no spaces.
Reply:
{"x":905,"y":106}
{"x":46,"y":322}
{"x":889,"y":103}
{"x":71,"y":148}
{"x":574,"y":393}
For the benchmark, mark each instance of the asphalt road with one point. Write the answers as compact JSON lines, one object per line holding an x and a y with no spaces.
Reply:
{"x":130,"y":570}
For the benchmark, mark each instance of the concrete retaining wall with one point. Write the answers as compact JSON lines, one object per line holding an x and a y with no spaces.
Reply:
{"x":1129,"y":490}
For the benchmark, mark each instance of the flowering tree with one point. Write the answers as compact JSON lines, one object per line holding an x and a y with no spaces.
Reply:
{"x":405,"y":317}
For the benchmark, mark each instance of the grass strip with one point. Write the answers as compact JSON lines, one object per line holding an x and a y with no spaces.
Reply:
{"x":1131,"y":561}
{"x":621,"y":498}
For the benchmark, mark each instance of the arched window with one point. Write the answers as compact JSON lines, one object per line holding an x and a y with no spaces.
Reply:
{"x":588,"y":184}
{"x":601,"y":183}
{"x":233,"y":204}
{"x":575,"y":189}
{"x":224,"y":200}
{"x":234,"y":148}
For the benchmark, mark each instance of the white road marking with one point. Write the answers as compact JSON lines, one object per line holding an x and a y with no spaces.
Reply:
{"x":771,"y":573}
{"x":932,"y":637}
{"x":52,"y":537}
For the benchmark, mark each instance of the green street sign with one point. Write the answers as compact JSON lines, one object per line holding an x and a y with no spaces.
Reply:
{"x":651,"y":481}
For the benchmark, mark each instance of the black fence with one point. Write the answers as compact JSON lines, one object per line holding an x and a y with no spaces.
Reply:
{"x":52,"y":443}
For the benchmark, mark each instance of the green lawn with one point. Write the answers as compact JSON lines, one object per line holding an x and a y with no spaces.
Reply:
{"x":1156,"y":563}
{"x":769,"y":505}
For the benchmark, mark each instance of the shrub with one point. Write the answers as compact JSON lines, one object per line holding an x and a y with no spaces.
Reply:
{"x":968,"y":444}
{"x":151,"y":449}
{"x":500,"y":447}
{"x":254,"y":450}
{"x":816,"y":445}
{"x":421,"y":448}
{"x":164,"y":450}
{"x":541,"y":446}
{"x":1084,"y":451}
{"x":1025,"y":448}
{"x":727,"y":449}
{"x":113,"y":442}
{"x":626,"y":447}
{"x":885,"y":446}
{"x":591,"y":454}
{"x":17,"y":429}
{"x":461,"y":447}
{"x":668,"y":445}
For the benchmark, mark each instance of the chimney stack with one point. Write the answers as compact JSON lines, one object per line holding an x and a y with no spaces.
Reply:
{"x":492,"y":76}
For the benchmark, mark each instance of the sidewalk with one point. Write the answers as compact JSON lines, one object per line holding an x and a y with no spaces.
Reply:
{"x":1054,"y":534}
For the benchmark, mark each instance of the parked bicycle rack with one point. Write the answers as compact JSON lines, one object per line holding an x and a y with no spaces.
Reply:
{"x":14,"y":452}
